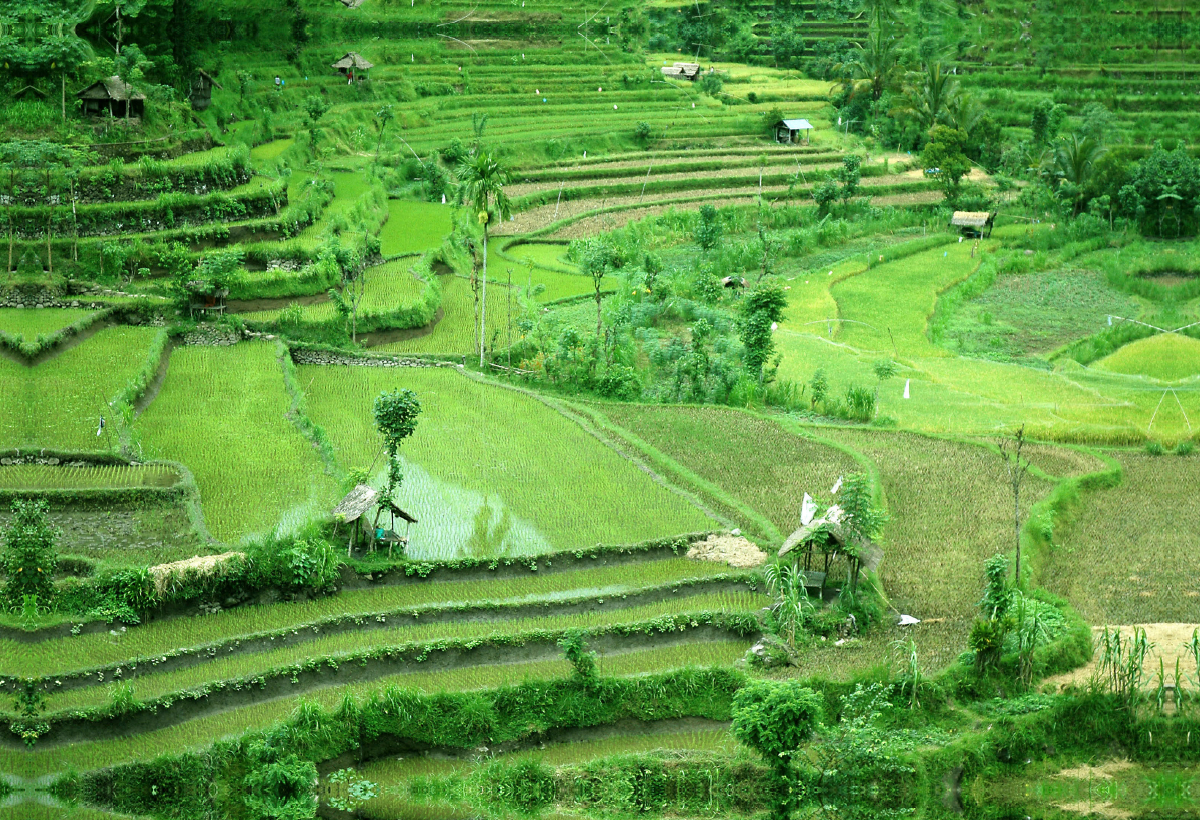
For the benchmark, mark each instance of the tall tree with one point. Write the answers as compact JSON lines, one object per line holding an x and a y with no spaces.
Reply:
{"x":873,"y":67}
{"x":930,"y":93}
{"x":396,"y":419}
{"x":776,"y":718}
{"x":481,"y":185}
{"x":1074,"y":160}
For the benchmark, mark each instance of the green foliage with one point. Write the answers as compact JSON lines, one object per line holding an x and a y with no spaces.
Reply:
{"x":396,"y":419}
{"x":30,"y":556}
{"x":849,"y":175}
{"x":825,"y":194}
{"x":641,"y":131}
{"x":775,"y":719}
{"x":280,"y":787}
{"x":708,"y":228}
{"x":945,"y":158}
{"x":575,"y":651}
{"x":760,"y":309}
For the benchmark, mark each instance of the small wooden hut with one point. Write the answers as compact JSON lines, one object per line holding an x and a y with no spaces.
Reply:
{"x":353,"y":66}
{"x":389,"y":536}
{"x":792,"y":131}
{"x":684,"y":71}
{"x":351,"y":509}
{"x":827,"y":538}
{"x":205,"y":297}
{"x":200,"y":93}
{"x":112,"y":96}
{"x":974,"y":223}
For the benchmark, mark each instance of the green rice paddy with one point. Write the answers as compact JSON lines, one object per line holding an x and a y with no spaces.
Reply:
{"x":413,"y":227}
{"x":1168,"y":357}
{"x":222,"y":412}
{"x":31,"y":323}
{"x":475,"y":486}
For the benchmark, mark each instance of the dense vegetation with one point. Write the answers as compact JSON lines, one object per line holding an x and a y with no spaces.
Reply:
{"x":508,"y":423}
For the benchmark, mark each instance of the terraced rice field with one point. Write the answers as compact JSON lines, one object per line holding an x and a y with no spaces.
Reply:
{"x":31,"y":323}
{"x":45,"y":477}
{"x":478,"y":489}
{"x":413,"y":227}
{"x":222,"y":412}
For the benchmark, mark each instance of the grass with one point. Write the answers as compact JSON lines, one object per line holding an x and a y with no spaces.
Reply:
{"x":755,"y":462}
{"x":1129,"y":555}
{"x":221,"y":412}
{"x":950,"y":509}
{"x":414,"y":226}
{"x":64,"y":398}
{"x":152,"y":685}
{"x":31,"y":323}
{"x":1026,"y":315}
{"x":43,"y":477}
{"x":270,"y":150}
{"x":156,"y":638}
{"x":201,"y":732}
{"x":1168,"y":357}
{"x":389,"y":286}
{"x":454,"y":331}
{"x":475,"y":478}
{"x":390,"y":774}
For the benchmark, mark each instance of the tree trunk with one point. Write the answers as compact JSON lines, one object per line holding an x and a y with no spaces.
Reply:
{"x":483,"y":298}
{"x":1017,"y":525}
{"x":49,"y":251}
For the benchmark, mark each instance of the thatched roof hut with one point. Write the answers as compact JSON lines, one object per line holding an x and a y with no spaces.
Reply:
{"x":112,"y":95}
{"x":973,"y":223}
{"x":353,"y":63}
{"x":686,"y":71}
{"x":827,"y":536}
{"x":355,"y":504}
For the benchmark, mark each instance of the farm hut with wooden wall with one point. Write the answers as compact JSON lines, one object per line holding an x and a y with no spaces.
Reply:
{"x":114,"y":96}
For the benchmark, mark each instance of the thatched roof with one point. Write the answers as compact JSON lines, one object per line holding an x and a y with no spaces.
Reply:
{"x":112,"y":88}
{"x":830,"y":526}
{"x":796,"y":125}
{"x":970,"y":219}
{"x":210,"y":78}
{"x":354,"y":60}
{"x":688,"y":70}
{"x":356,"y":502}
{"x":388,"y":504}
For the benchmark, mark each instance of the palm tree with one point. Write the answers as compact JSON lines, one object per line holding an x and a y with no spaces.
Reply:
{"x":930,"y":94}
{"x":1074,"y":161}
{"x":965,"y":112}
{"x":482,"y":179}
{"x":872,"y":68}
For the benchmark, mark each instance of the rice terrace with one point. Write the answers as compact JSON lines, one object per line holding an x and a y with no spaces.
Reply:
{"x":599,"y":409}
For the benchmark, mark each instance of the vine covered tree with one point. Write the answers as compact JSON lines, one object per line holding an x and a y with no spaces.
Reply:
{"x":396,"y":419}
{"x":761,"y":308}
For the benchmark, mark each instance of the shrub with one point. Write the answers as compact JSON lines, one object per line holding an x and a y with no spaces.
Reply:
{"x":1154,"y":448}
{"x":29,"y":558}
{"x":1184,"y":448}
{"x":642,"y":131}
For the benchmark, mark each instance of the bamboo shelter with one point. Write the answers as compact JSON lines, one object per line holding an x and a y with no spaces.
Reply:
{"x":974,"y":223}
{"x":824,"y":540}
{"x":351,"y":509}
{"x":389,"y":536}
{"x":353,"y":65}
{"x":113,"y":96}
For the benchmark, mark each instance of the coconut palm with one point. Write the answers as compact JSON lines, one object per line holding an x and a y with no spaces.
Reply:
{"x":1074,"y":161}
{"x":930,"y":94}
{"x":482,"y":179}
{"x":874,"y":67}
